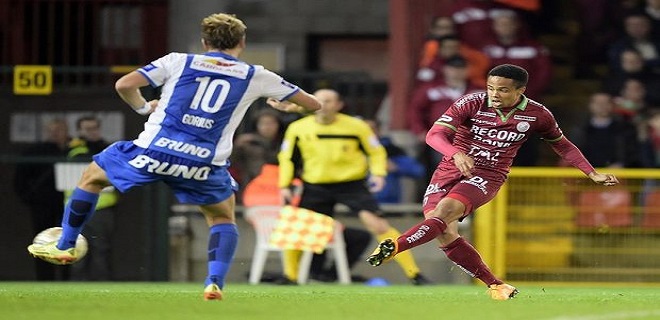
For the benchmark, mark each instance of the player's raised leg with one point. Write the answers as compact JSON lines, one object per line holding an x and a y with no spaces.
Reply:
{"x":437,"y":216}
{"x":78,"y":210}
{"x":384,"y":232}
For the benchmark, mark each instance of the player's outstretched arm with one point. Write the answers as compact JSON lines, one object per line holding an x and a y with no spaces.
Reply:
{"x":571,"y":154}
{"x":301,"y":102}
{"x":606,"y":179}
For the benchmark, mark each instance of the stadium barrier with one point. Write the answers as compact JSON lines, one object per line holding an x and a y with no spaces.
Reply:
{"x":550,"y":224}
{"x":553,"y":224}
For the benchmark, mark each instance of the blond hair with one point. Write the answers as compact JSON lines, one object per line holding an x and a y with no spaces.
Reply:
{"x":222,"y":31}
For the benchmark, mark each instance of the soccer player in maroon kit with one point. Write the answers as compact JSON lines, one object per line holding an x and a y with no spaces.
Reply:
{"x":479,"y":137}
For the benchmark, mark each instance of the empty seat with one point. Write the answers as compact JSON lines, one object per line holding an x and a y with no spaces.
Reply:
{"x":264,"y":219}
{"x":651,"y":210}
{"x":611,"y":208}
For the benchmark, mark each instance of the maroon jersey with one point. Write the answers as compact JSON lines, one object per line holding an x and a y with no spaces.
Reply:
{"x":492,"y":137}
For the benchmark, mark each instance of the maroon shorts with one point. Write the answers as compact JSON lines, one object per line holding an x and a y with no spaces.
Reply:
{"x":474,"y":192}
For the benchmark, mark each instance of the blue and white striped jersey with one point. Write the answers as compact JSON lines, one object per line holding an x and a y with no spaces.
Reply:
{"x":203,"y":100}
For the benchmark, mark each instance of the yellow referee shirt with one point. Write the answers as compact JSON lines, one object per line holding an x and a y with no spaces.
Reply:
{"x":342,"y":151}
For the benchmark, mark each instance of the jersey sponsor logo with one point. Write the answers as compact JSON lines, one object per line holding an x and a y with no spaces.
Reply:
{"x":445,"y":118}
{"x":487,"y":114}
{"x":469,"y":98}
{"x":183,"y":147}
{"x":229,"y":68}
{"x":433,"y":188}
{"x":479,"y":152}
{"x":492,"y":142}
{"x":469,"y":273}
{"x":478,"y":182}
{"x":418,"y":234}
{"x":168,"y":169}
{"x":197,"y":121}
{"x":220,"y":63}
{"x":524,"y":118}
{"x":502,"y":135}
{"x":523,"y":126}
{"x":479,"y":121}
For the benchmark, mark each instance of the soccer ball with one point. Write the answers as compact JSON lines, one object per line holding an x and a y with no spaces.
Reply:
{"x":54,"y":234}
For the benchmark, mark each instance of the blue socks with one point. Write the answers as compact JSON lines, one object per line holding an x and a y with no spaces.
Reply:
{"x":222,"y":246}
{"x":78,"y":210}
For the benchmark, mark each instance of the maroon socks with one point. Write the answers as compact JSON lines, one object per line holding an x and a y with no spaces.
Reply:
{"x":422,"y":233}
{"x":463,"y":254}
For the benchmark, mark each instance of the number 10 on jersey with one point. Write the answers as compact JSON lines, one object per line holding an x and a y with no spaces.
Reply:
{"x":206,"y":91}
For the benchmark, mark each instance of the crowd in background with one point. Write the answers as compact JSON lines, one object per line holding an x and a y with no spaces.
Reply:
{"x":622,"y":36}
{"x":621,"y":126}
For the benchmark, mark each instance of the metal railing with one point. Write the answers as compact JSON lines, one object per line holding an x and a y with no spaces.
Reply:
{"x":361,"y":93}
{"x":554,"y":224}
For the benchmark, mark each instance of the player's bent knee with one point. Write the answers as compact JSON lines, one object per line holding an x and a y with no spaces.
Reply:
{"x":448,"y":210}
{"x":93,"y":178}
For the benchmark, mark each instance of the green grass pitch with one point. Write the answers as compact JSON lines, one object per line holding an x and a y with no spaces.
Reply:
{"x":162,"y":301}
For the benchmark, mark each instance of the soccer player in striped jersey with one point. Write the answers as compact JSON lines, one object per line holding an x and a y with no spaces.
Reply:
{"x":479,"y":135}
{"x":186,"y":141}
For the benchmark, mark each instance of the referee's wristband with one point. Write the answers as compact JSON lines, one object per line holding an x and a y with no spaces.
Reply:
{"x":144,"y":110}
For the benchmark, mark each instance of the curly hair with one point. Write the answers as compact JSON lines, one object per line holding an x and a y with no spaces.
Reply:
{"x":223,"y":31}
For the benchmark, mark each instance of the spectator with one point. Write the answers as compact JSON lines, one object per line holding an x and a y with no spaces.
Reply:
{"x":632,"y":67}
{"x":399,"y":165}
{"x":650,"y":140}
{"x":429,"y":101}
{"x":599,"y":27}
{"x":637,"y":27}
{"x":631,"y":101}
{"x":607,"y":140}
{"x":473,"y":19}
{"x":99,"y":231}
{"x":443,"y":43}
{"x":510,"y":45}
{"x":652,"y":10}
{"x":530,"y":5}
{"x":253,"y":149}
{"x":34,"y":183}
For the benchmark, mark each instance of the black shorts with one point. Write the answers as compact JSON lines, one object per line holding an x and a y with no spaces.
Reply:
{"x":322,"y":198}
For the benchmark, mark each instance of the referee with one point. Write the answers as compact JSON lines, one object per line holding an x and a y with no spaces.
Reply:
{"x":340,"y":160}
